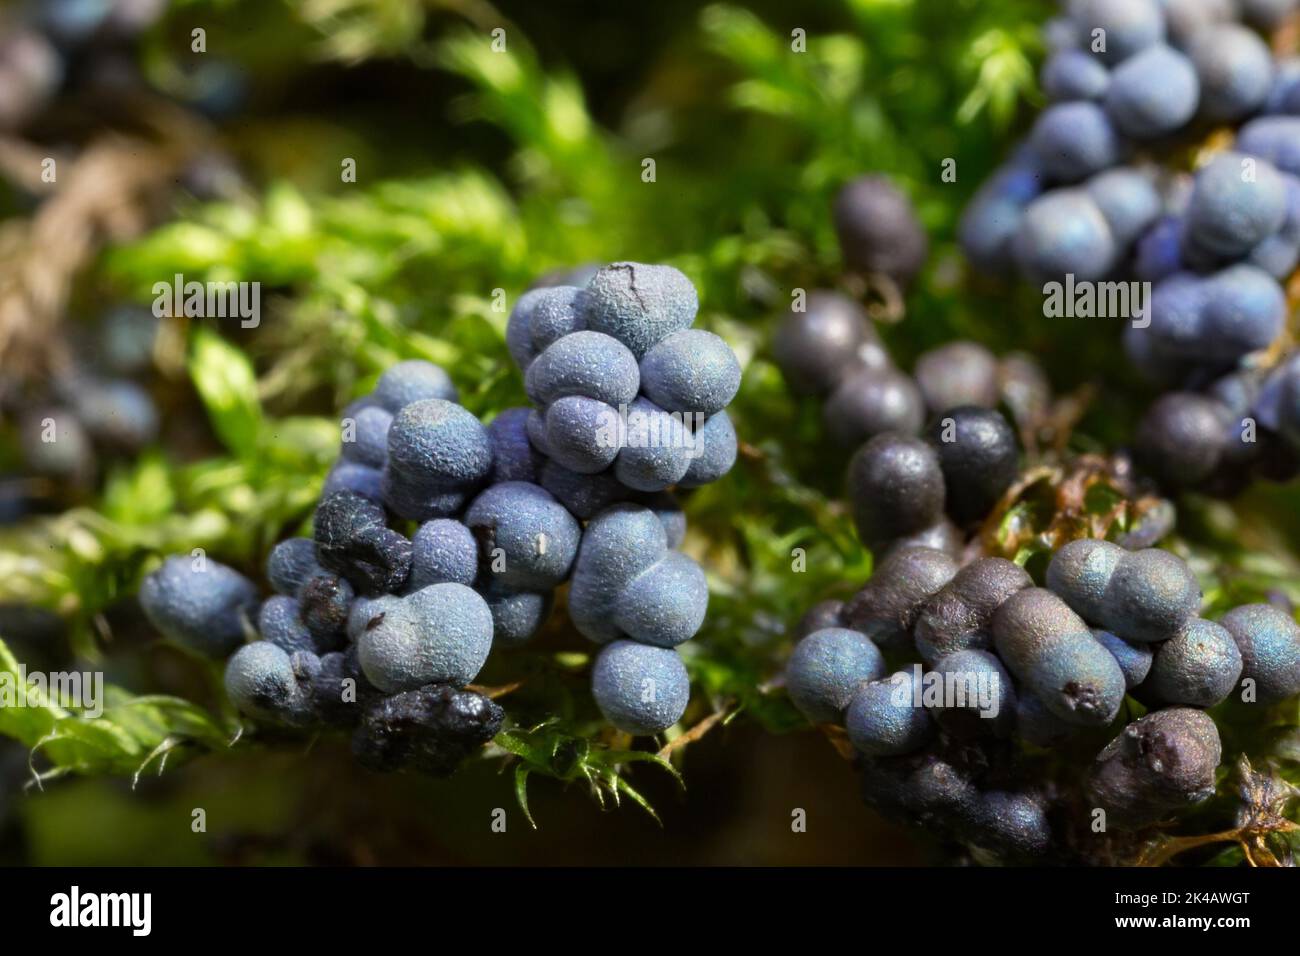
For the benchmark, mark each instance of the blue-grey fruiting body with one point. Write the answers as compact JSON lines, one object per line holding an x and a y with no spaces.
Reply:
{"x":1049,"y":649}
{"x":365,"y":437}
{"x":960,"y":614}
{"x":535,"y":426}
{"x":1152,"y":94}
{"x":670,"y":515}
{"x":513,"y":455}
{"x":1080,"y":572}
{"x":540,"y":317}
{"x":1274,"y":138}
{"x":442,"y":550}
{"x":618,"y":544}
{"x":665,"y":604}
{"x":279,"y":621}
{"x":887,"y":606}
{"x":991,"y":222}
{"x":437,"y":446}
{"x":582,"y":434}
{"x":554,"y":315}
{"x":1133,"y":659}
{"x":584,"y":495}
{"x":1151,"y":595}
{"x":413,"y":381}
{"x":1235,"y":69}
{"x":825,"y":670}
{"x":1063,"y":232}
{"x":527,"y":539}
{"x":1127,"y":199}
{"x":585,"y":363}
{"x":1269,"y":641}
{"x":199,"y":603}
{"x":978,"y":696}
{"x":715,"y":452}
{"x":1159,"y":764}
{"x":1071,"y":74}
{"x":1129,"y":26}
{"x":1230,"y":212}
{"x":291,"y":563}
{"x":516,"y":615}
{"x":640,"y":305}
{"x":365,"y":611}
{"x":440,"y":634}
{"x":414,"y":503}
{"x":1074,"y":140}
{"x":656,"y":454}
{"x":691,"y":371}
{"x":1198,"y":667}
{"x":885,"y":719}
{"x":871,"y":401}
{"x":261,"y":681}
{"x":360,"y":479}
{"x":639,"y":688}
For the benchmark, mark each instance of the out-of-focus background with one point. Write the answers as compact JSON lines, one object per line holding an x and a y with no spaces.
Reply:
{"x":212,"y":138}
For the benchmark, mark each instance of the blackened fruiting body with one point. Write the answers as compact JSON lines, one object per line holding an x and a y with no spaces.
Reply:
{"x":960,"y":614}
{"x":871,"y":401}
{"x":353,"y":539}
{"x":1182,"y":438}
{"x":429,"y":729}
{"x":979,"y":457}
{"x":1158,"y":765}
{"x":828,"y":613}
{"x":199,"y":603}
{"x":896,"y":488}
{"x":886,"y":607}
{"x":820,"y":346}
{"x":878,"y":230}
{"x":956,"y":374}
